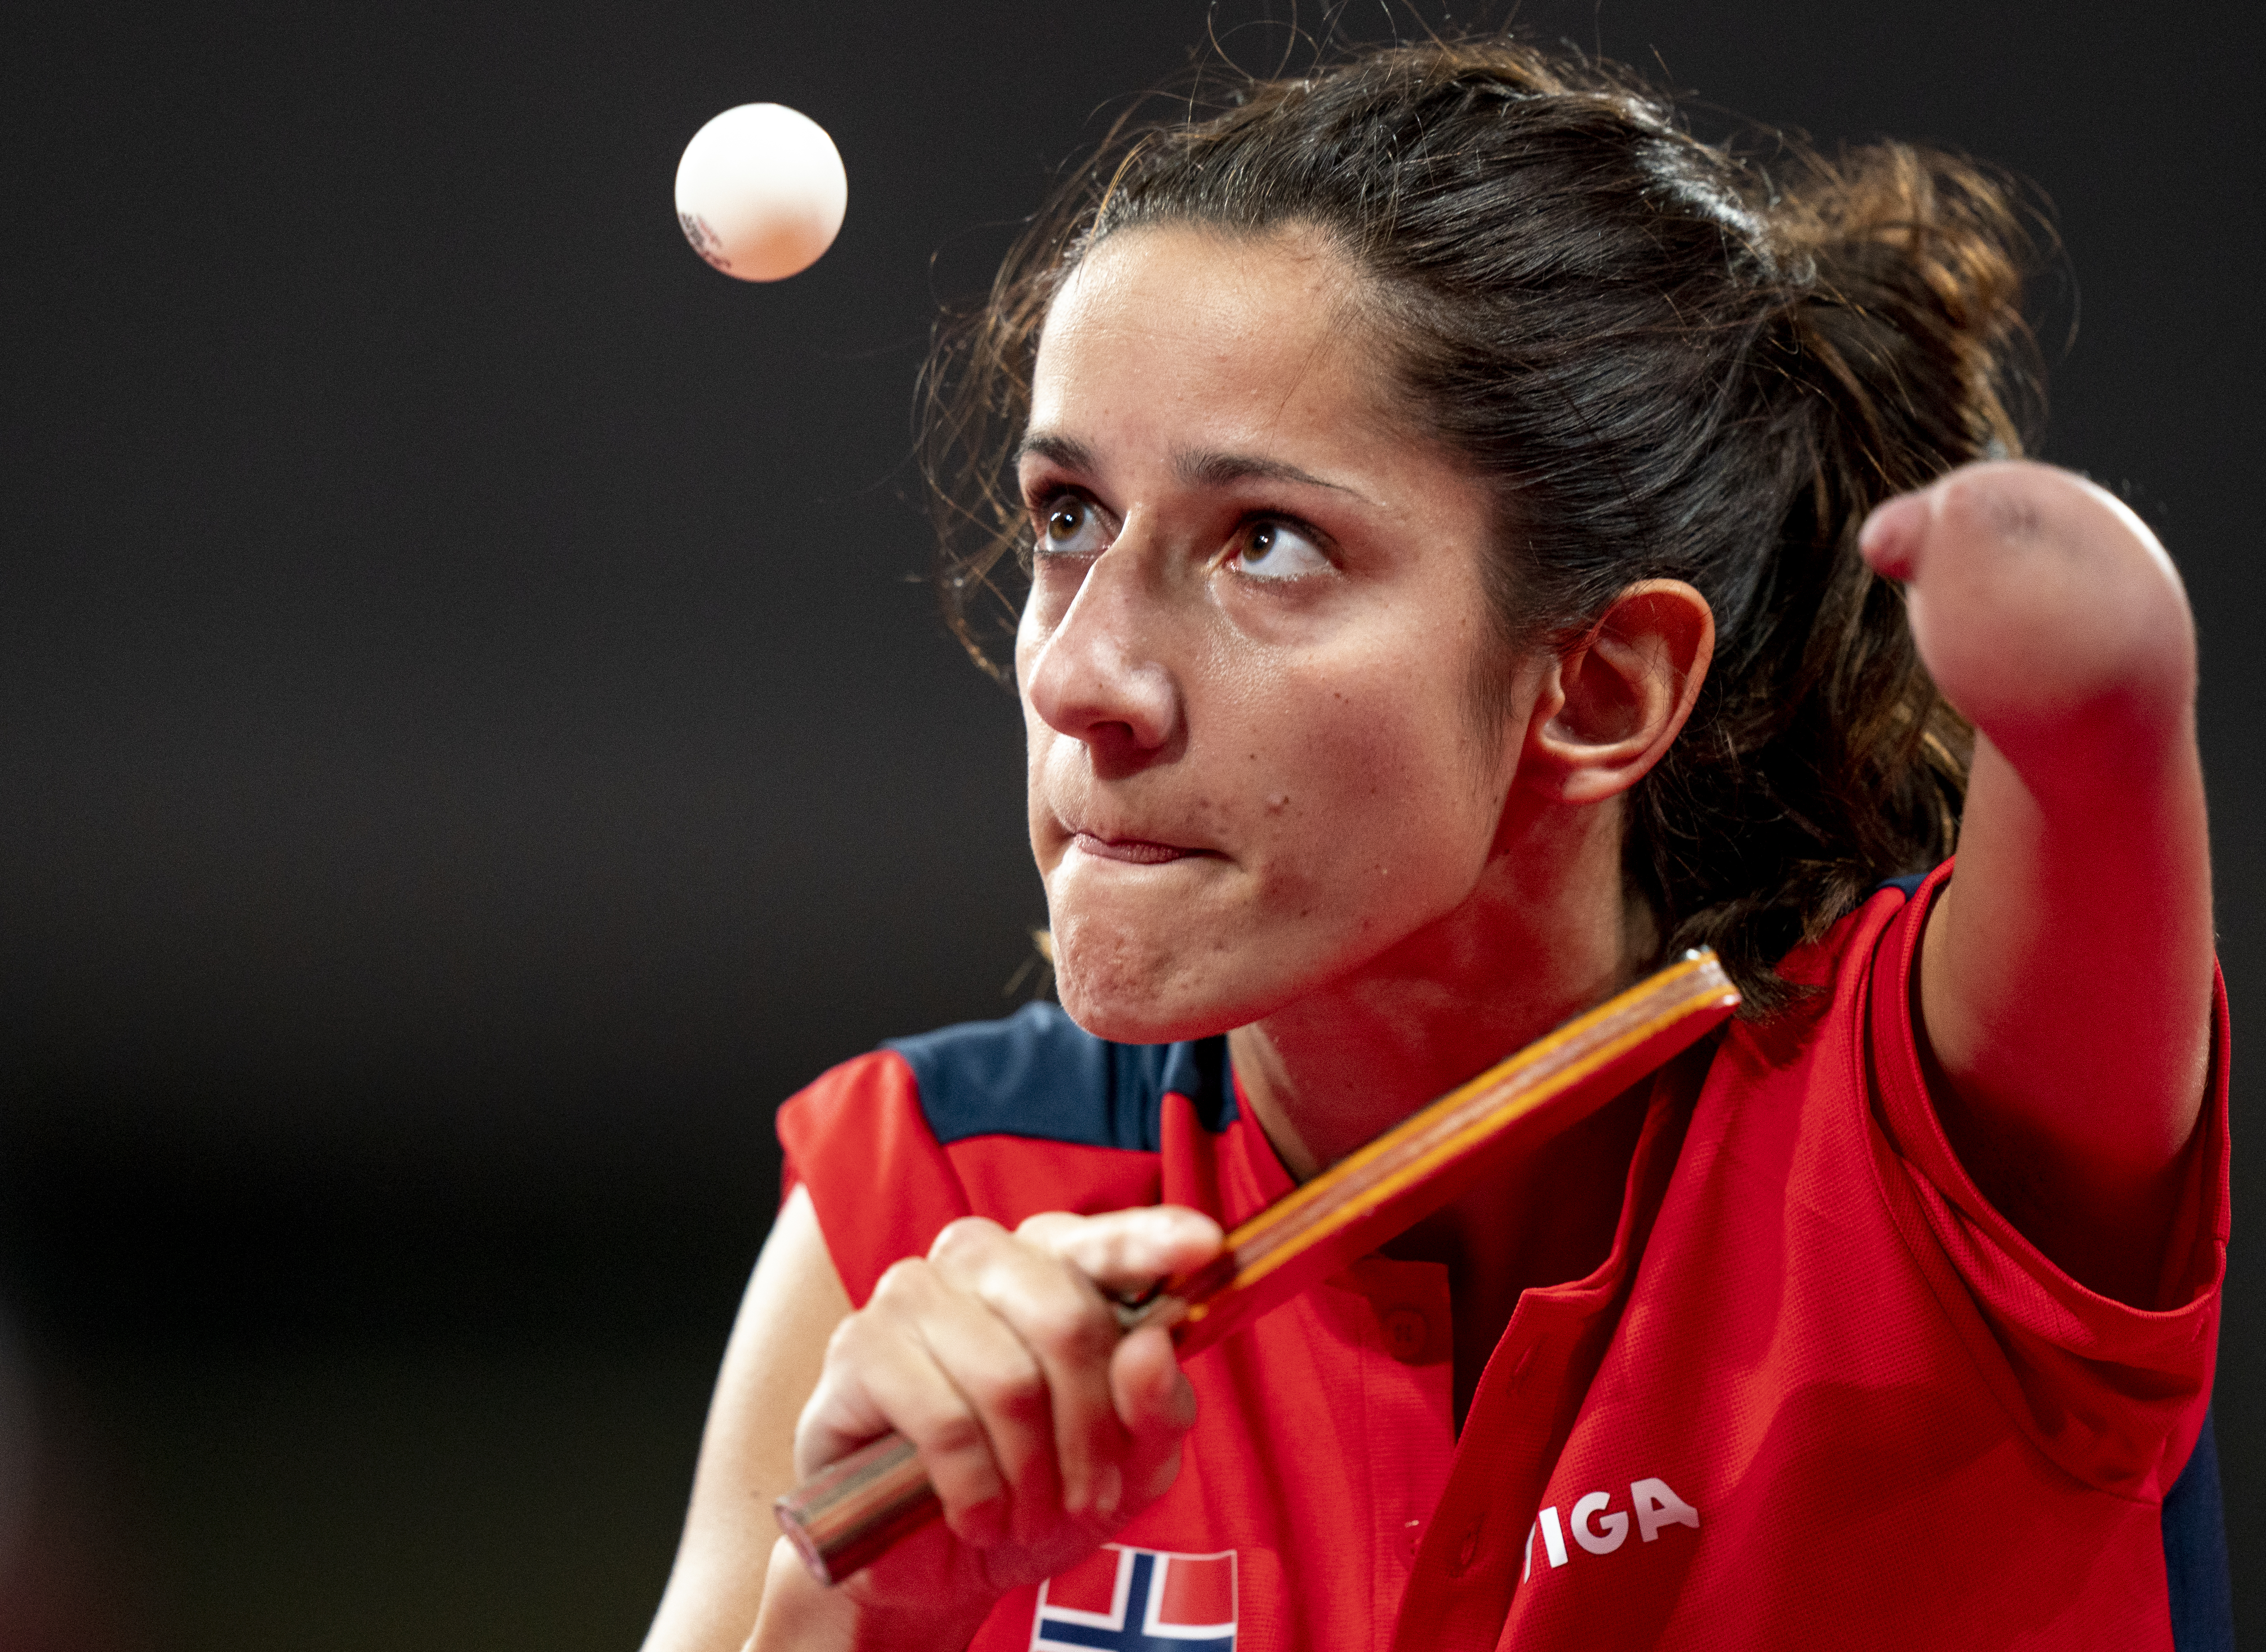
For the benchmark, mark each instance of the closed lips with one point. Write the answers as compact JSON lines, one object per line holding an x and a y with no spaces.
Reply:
{"x":1138,"y":850}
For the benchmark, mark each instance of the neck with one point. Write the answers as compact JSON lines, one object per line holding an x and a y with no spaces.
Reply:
{"x":1545,"y":932}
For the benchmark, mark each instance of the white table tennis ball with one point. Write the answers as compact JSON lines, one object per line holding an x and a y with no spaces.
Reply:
{"x":761,"y":192}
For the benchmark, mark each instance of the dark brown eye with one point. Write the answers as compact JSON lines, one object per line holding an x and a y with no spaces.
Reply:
{"x":1070,"y":525}
{"x":1277,"y":550}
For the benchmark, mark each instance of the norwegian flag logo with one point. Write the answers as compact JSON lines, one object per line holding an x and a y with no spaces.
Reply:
{"x":1140,"y":1600}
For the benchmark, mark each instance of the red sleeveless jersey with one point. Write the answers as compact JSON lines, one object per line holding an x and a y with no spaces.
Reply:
{"x":1819,"y":1392}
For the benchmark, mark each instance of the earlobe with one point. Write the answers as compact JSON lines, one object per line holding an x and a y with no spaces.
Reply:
{"x":1615,"y":700}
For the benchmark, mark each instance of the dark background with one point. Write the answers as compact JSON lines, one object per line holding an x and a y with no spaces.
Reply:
{"x":472,"y":738}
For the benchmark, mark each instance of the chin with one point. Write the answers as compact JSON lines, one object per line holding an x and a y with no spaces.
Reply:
{"x":1123,"y":1024}
{"x":1131,"y":996}
{"x":1110,"y":1016}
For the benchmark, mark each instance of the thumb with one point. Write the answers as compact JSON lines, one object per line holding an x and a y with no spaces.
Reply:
{"x":1127,"y":1250}
{"x":1157,"y":1405}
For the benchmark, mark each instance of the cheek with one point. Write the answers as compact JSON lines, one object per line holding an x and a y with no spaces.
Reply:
{"x":1392,"y":750}
{"x":1036,"y":734}
{"x":1388,"y":821}
{"x":1372,"y":815}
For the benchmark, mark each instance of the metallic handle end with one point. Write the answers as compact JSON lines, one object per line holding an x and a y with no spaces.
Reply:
{"x":851,"y":1510}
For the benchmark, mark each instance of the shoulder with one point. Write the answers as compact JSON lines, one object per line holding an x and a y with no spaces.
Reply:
{"x":1834,"y":976}
{"x":999,"y":1118}
{"x":1037,"y":1074}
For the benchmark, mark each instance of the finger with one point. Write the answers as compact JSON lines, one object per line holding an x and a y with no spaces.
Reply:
{"x":1013,"y":1399}
{"x":943,"y":1370}
{"x":1068,"y":1328}
{"x":1127,"y":1250}
{"x":1157,"y":1406}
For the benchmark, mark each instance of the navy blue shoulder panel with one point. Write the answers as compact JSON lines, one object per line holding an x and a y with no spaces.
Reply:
{"x":1909,"y":883}
{"x":1038,"y":1074}
{"x":2195,"y":1553}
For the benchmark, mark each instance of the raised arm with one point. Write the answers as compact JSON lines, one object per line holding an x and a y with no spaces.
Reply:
{"x":2066,"y":977}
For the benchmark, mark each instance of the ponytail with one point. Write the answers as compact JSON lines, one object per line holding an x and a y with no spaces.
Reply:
{"x":1825,"y":759}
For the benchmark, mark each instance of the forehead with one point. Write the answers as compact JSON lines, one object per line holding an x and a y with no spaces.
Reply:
{"x":1222,"y":335}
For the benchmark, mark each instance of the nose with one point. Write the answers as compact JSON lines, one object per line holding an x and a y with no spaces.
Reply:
{"x":1099,"y":676}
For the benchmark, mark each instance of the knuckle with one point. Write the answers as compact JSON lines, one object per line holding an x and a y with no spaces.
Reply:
{"x":1073,"y":1330}
{"x":858,"y":1335}
{"x":813,"y":1426}
{"x":903,"y":1283}
{"x":1049,"y":1228}
{"x":952,"y":1434}
{"x":1015,"y":1389}
{"x":969,"y":1237}
{"x":843,"y":1342}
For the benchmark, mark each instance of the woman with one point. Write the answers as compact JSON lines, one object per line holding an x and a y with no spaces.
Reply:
{"x":1479,"y":540}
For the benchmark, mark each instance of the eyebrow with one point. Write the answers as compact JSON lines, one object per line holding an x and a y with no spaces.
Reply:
{"x":1213,"y":469}
{"x":1194,"y":468}
{"x":1072,"y":456}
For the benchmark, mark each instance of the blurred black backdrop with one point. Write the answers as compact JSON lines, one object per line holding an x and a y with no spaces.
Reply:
{"x":472,"y":737}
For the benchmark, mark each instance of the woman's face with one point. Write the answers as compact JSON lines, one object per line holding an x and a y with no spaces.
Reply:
{"x":1255,"y":629}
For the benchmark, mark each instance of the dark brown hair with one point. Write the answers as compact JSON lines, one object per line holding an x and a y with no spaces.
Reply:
{"x":1666,"y":361}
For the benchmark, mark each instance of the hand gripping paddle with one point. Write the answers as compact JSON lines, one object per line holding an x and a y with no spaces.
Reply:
{"x":851,"y":1510}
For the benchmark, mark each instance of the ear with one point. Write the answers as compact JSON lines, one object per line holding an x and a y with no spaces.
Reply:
{"x":1611,"y":703}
